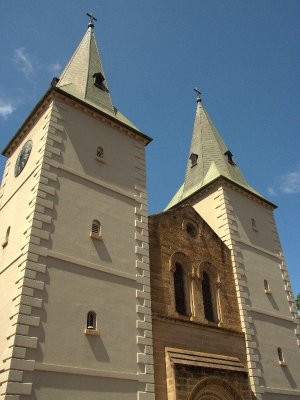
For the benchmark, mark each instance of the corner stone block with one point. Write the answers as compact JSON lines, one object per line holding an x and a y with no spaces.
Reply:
{"x":23,"y":365}
{"x":146,"y":396}
{"x":18,"y":388}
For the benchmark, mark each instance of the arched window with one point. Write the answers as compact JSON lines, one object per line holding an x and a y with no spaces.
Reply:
{"x":207,"y":298}
{"x":96,"y":228}
{"x":91,"y":321}
{"x":280,"y":356}
{"x":179,"y":290}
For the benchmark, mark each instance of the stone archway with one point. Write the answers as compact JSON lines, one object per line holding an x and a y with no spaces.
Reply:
{"x":214,"y":388}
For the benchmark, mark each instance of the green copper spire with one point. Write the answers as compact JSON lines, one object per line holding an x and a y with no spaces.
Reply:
{"x":84,"y":76}
{"x":209,"y":159}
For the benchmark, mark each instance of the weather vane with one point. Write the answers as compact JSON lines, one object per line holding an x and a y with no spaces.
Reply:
{"x":198,"y":94}
{"x":92,"y":19}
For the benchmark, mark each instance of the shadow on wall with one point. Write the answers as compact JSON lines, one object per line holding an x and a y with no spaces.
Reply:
{"x":102,"y":251}
{"x":76,"y":387}
{"x":289,"y":377}
{"x":98,"y":348}
{"x":272,"y":301}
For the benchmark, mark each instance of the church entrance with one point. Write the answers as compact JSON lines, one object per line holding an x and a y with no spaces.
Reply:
{"x":214,"y":388}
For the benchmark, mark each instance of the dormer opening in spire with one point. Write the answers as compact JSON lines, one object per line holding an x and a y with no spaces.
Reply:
{"x":84,"y":74}
{"x":193,"y":158}
{"x":229,"y":157}
{"x":99,"y":81}
{"x":209,"y":159}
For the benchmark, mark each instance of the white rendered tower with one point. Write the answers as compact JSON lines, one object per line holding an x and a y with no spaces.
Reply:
{"x":244,"y":220}
{"x":74,"y":269}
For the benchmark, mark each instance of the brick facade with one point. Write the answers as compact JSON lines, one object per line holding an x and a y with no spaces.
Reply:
{"x":181,"y":236}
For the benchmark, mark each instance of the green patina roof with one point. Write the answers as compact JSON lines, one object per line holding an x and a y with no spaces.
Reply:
{"x":77,"y":79}
{"x":212,"y":162}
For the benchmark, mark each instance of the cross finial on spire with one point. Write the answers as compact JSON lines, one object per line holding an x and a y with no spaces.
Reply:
{"x":198,"y":94}
{"x":92,"y":19}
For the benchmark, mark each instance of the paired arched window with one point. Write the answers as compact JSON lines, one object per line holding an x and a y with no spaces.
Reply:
{"x":195,"y":289}
{"x":91,"y":320}
{"x":179,"y":289}
{"x":207,"y":298}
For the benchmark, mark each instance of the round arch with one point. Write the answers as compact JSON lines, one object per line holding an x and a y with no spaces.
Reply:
{"x":213,"y":388}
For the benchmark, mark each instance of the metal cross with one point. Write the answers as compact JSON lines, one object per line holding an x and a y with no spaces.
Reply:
{"x":198,"y":94}
{"x":92,"y":19}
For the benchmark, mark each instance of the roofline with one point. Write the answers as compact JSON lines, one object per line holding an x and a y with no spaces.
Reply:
{"x":228,"y":180}
{"x":60,"y":91}
{"x":37,"y":106}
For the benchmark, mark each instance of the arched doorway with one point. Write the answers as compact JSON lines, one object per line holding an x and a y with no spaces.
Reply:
{"x":214,"y":388}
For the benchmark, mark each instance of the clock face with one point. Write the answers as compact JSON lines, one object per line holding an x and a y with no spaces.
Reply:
{"x":23,"y":157}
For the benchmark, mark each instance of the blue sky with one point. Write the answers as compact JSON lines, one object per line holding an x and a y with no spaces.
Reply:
{"x":244,"y":56}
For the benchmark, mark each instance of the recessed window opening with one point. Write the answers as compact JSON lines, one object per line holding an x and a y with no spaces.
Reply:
{"x":253,"y":223}
{"x":191,"y":229}
{"x":207,"y":298}
{"x":91,"y":322}
{"x":96,"y":228}
{"x":100,"y":152}
{"x":280,"y":355}
{"x":7,"y":234}
{"x":179,"y":289}
{"x":193,"y":158}
{"x":6,"y":237}
{"x":266,"y":286}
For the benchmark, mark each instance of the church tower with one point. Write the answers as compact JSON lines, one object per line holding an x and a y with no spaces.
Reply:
{"x":243,"y":219}
{"x":75,"y":310}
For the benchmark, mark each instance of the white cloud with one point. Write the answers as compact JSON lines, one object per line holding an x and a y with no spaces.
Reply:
{"x":56,"y":67}
{"x":272,"y":191}
{"x":290,"y":183}
{"x":6,"y":108}
{"x":22,"y":59}
{"x":287,"y":183}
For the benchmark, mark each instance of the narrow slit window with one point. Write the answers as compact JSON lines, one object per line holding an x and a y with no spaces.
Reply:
{"x":179,"y":289}
{"x":267,"y":286}
{"x":280,"y":356}
{"x":5,"y":243}
{"x":207,"y":298}
{"x":91,"y":322}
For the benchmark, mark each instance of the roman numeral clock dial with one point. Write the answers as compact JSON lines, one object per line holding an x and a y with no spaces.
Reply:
{"x":23,"y":157}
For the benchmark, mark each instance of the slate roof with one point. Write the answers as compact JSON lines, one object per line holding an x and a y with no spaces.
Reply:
{"x":77,"y":82}
{"x":77,"y":79}
{"x":212,"y":161}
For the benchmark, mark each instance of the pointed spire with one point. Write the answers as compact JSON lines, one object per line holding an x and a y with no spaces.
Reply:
{"x":209,"y":158}
{"x":84,"y":76}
